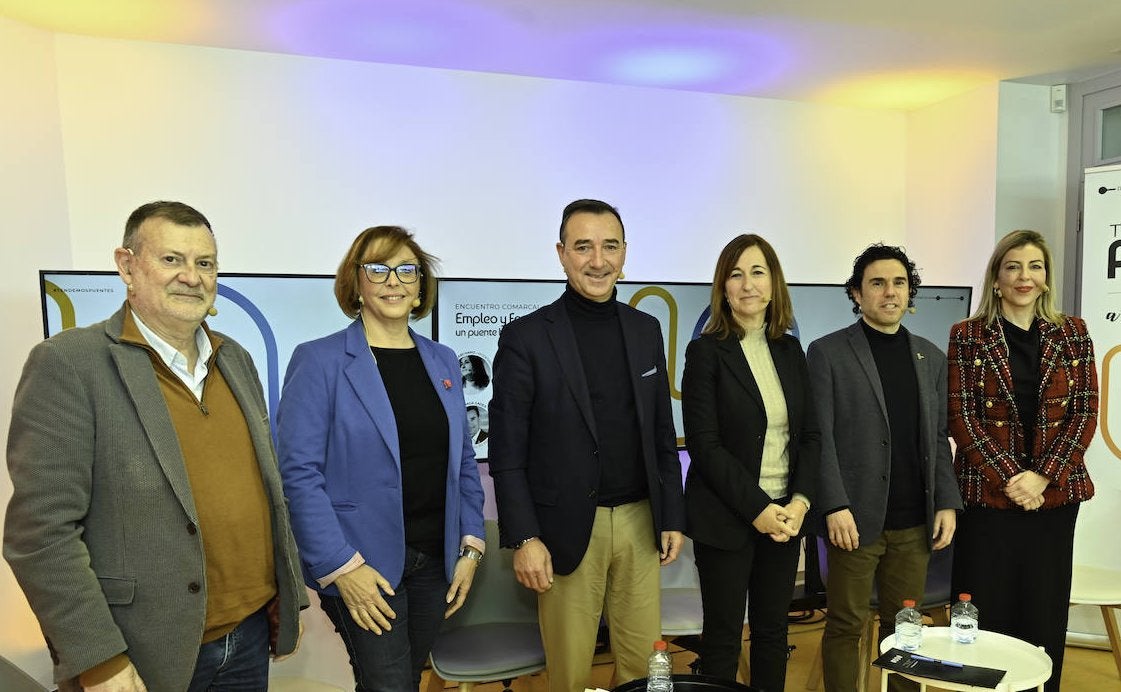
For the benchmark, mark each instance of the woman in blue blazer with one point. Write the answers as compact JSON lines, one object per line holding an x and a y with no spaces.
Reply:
{"x":378,"y":467}
{"x":753,"y":454}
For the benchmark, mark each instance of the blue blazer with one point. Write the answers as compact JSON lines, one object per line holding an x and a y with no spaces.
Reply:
{"x":341,"y":460}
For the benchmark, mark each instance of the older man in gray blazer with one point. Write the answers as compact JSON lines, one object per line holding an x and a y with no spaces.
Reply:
{"x":148,"y":526}
{"x":886,"y":493}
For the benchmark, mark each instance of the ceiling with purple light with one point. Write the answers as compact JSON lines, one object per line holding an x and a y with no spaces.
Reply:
{"x":812,"y":50}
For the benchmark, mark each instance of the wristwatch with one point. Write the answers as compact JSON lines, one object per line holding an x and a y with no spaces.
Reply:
{"x":469,"y":552}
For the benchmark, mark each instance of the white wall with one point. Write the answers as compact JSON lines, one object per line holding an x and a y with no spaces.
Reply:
{"x":35,"y":234}
{"x":978,"y":166}
{"x":1031,"y":168}
{"x":291,"y":156}
{"x":951,"y":186}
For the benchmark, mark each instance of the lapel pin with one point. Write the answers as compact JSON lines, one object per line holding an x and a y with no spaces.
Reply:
{"x":920,"y":356}
{"x":447,"y":383}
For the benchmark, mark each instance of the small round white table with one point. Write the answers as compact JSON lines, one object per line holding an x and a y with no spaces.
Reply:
{"x":1028,"y":666}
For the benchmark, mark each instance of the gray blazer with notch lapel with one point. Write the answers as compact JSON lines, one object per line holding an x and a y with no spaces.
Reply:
{"x":855,"y":437}
{"x":100,"y":531}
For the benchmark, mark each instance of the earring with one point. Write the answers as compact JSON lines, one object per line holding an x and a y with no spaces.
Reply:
{"x":212,"y":311}
{"x":416,"y":302}
{"x":360,"y":300}
{"x":130,"y":288}
{"x":997,"y":293}
{"x":621,"y":276}
{"x":912,"y":309}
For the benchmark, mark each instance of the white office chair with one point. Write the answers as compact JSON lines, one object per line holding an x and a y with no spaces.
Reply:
{"x":495,"y":635}
{"x":682,"y":614}
{"x":1101,"y":587}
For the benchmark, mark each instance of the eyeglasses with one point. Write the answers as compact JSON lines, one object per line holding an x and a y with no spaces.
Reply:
{"x":378,"y":273}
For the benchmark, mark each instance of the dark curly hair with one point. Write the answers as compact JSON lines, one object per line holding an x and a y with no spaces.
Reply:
{"x":874,"y":253}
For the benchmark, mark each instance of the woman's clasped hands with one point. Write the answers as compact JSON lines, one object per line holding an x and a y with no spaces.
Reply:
{"x":781,"y":522}
{"x":1026,"y":489}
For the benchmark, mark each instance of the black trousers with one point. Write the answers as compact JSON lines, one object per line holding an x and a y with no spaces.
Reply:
{"x":762,"y":575}
{"x":1017,"y":566}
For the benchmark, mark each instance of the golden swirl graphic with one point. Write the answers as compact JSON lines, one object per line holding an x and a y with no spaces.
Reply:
{"x":65,"y":307}
{"x":671,"y":337}
{"x":1103,"y":403}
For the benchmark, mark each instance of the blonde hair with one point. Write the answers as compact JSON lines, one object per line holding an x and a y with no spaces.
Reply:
{"x":989,"y":308}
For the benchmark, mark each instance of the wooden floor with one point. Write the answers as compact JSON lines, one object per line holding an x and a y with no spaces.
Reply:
{"x":1084,"y":670}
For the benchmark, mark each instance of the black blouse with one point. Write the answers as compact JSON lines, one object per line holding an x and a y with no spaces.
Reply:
{"x":1023,"y":357}
{"x":422,"y":429}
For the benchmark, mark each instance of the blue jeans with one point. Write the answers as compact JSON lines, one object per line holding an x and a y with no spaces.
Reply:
{"x":393,"y":661}
{"x":237,"y":662}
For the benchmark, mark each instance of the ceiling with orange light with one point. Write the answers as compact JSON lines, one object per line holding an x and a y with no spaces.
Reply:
{"x":900,"y":54}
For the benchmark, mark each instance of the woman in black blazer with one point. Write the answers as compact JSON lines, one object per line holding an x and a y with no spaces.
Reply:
{"x":753,"y":448}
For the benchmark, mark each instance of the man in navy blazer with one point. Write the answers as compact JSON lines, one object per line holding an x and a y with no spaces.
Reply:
{"x":584,"y":458}
{"x":887,"y":492}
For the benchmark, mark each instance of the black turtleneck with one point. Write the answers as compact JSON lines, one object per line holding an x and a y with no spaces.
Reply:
{"x":906,"y":499}
{"x":599,"y":338}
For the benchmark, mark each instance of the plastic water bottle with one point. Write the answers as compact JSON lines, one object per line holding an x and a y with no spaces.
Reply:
{"x":963,"y":620}
{"x":659,"y":669}
{"x":908,"y":627}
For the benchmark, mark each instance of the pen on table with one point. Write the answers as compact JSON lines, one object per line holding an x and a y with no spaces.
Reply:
{"x":951,"y":664}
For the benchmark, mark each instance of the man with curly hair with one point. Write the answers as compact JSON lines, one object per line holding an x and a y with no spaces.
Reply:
{"x":887,"y":494}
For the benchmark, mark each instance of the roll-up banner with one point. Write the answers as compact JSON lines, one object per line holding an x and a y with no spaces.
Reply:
{"x":1096,"y":535}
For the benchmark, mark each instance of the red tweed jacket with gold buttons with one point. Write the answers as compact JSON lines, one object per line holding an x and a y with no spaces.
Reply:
{"x":988,"y":430}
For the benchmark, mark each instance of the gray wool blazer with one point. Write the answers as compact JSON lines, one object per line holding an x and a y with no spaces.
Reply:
{"x":855,"y":436}
{"x":100,"y":531}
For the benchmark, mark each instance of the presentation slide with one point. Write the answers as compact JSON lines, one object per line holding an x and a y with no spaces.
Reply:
{"x":470,"y":313}
{"x":270,"y":314}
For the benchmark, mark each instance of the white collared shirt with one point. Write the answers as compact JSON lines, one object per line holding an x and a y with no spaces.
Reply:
{"x":175,"y":360}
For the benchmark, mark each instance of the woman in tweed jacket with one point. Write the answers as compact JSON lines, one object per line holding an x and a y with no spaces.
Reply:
{"x":1023,"y":397}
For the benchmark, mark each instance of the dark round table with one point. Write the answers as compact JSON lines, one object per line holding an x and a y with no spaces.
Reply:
{"x":690,"y":683}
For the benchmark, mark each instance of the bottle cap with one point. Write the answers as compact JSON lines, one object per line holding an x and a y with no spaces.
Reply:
{"x":965,"y":597}
{"x":908,"y":603}
{"x":659,"y":645}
